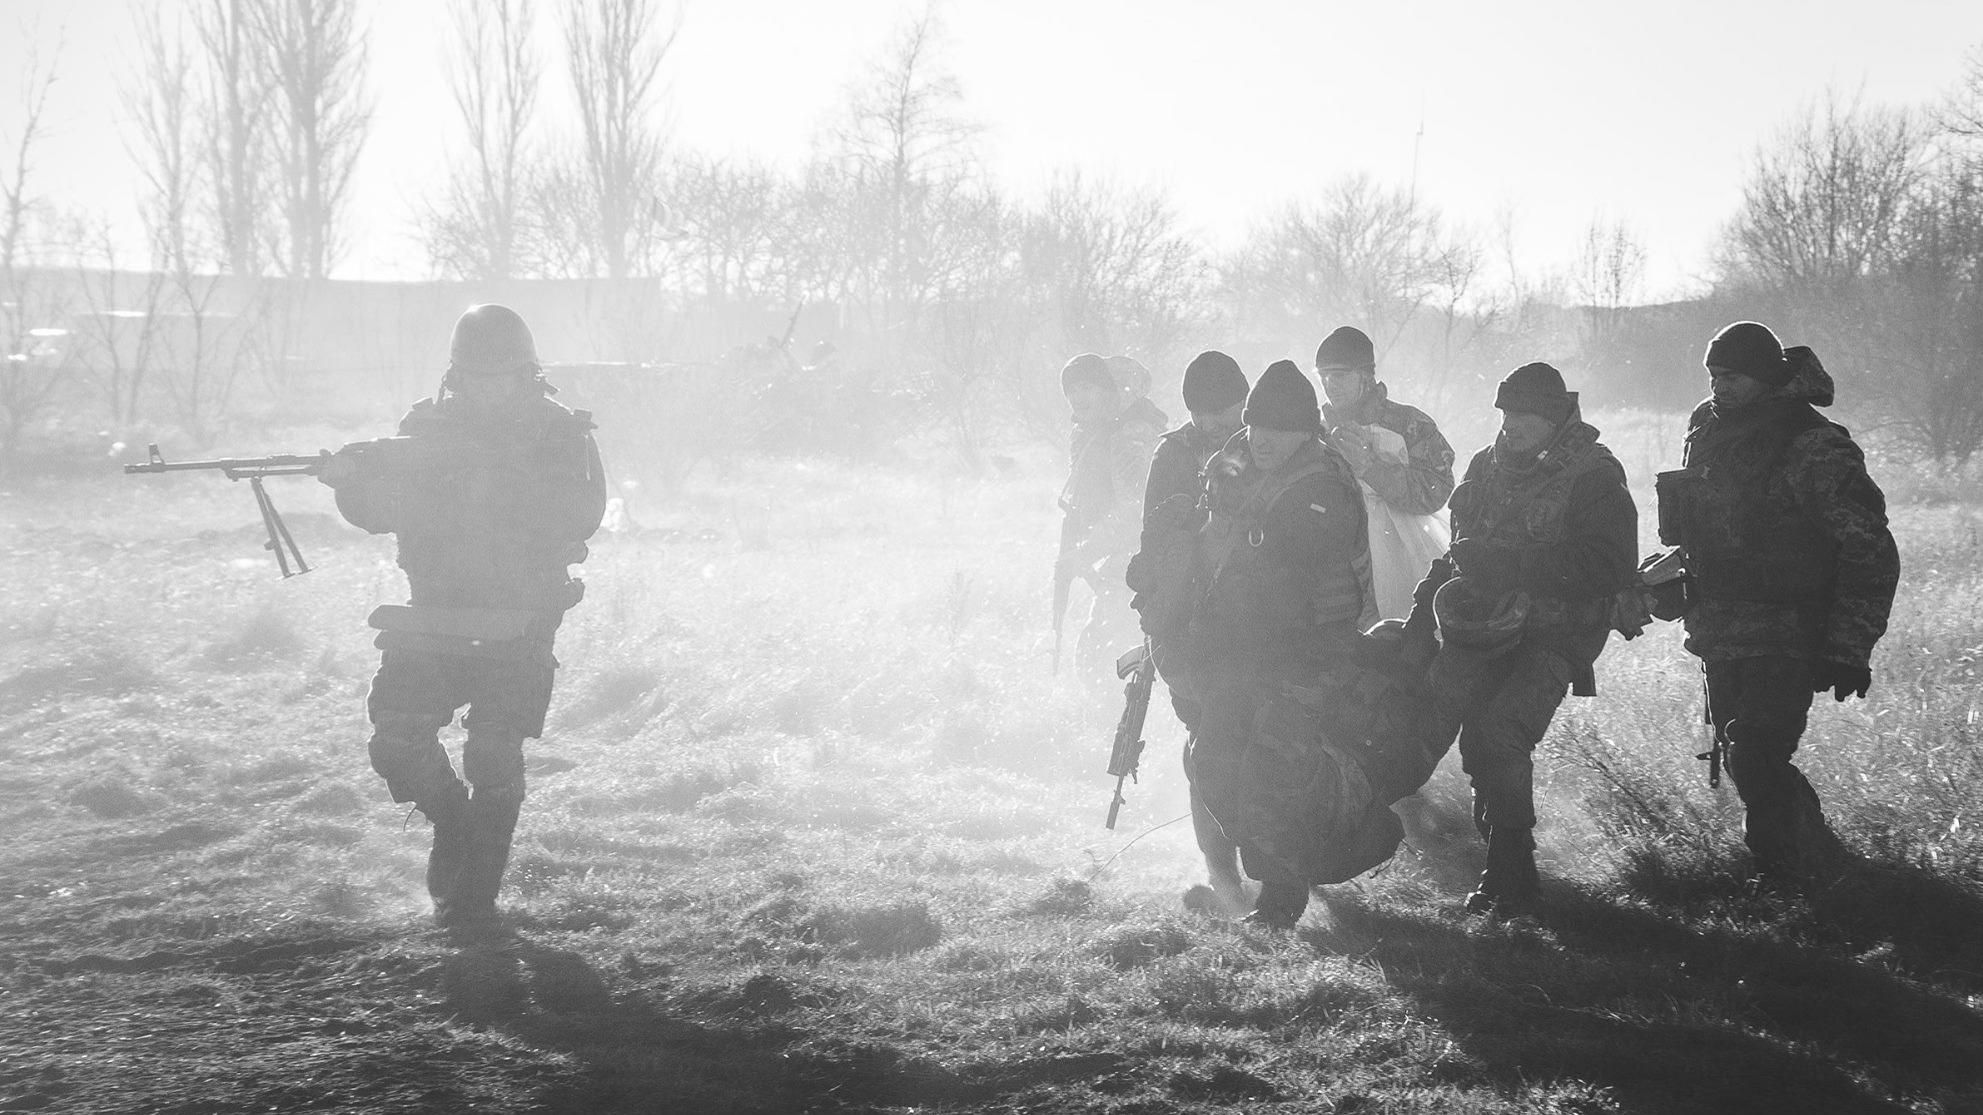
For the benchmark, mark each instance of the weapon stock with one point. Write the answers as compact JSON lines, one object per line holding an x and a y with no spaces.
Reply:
{"x":254,"y":470}
{"x":1716,"y":756}
{"x":1063,"y":581}
{"x":1139,"y":667}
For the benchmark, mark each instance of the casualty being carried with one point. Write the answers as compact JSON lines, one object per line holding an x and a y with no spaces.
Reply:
{"x":1255,"y":596}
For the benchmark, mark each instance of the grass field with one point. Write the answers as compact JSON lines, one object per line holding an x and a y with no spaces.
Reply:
{"x":813,"y":829}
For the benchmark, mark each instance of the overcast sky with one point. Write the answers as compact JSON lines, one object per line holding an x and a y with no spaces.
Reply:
{"x":1549,"y":111}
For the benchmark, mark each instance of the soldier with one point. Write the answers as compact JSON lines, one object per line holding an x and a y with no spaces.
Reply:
{"x":1400,"y":458}
{"x":1115,"y":429}
{"x":493,"y":495}
{"x":1794,"y":572}
{"x":1285,"y":555}
{"x":1214,"y":394}
{"x":1545,"y":536}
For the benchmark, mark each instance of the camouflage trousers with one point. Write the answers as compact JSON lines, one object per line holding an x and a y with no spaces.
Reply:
{"x":1517,"y":699}
{"x":415,"y":695}
{"x":1761,"y":706}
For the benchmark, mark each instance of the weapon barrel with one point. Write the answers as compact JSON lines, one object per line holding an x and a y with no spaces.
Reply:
{"x":281,"y":464}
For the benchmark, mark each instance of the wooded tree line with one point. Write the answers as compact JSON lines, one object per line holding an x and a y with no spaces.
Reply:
{"x":950,"y":298}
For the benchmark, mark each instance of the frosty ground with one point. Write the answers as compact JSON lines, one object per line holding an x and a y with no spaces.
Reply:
{"x":814,"y":828}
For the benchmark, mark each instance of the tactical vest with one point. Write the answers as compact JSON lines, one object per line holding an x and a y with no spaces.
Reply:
{"x":1090,"y":488}
{"x":1248,"y":589}
{"x":473,"y":552}
{"x":1744,"y":542}
{"x":1529,"y":509}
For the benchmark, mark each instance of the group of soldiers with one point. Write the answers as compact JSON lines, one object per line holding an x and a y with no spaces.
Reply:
{"x":1303,"y":533}
{"x":1283,"y":539}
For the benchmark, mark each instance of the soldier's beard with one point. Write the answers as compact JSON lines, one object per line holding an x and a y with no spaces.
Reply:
{"x":1506,"y":452}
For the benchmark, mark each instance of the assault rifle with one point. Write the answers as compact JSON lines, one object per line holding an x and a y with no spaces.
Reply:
{"x":1139,"y":667}
{"x":1716,"y":756}
{"x":254,"y":470}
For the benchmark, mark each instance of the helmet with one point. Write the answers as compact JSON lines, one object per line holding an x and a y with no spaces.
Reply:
{"x":1467,"y":620}
{"x":491,"y":340}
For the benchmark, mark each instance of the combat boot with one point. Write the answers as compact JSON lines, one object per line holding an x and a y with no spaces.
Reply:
{"x":447,"y":860}
{"x":1510,"y":887}
{"x":491,"y":828}
{"x":1280,"y":904}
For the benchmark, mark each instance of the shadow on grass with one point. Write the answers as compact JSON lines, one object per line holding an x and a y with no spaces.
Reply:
{"x":717,"y":1051}
{"x":1764,"y":1004}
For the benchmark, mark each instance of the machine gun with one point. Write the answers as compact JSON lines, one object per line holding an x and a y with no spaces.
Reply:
{"x":1139,"y":667}
{"x":404,"y":455}
{"x":254,"y":470}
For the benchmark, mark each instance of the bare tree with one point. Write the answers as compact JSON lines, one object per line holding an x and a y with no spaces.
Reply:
{"x":1611,"y":264}
{"x":112,"y":333}
{"x":1823,"y":196}
{"x":472,"y":233}
{"x":316,"y":59}
{"x":904,"y":149}
{"x":1118,"y":270}
{"x":1920,"y":320}
{"x":736,"y":226}
{"x":1463,"y":314}
{"x":32,"y":371}
{"x":235,"y":103}
{"x":1364,"y":253}
{"x":613,"y":50}
{"x":1961,"y":113}
{"x":174,"y":329}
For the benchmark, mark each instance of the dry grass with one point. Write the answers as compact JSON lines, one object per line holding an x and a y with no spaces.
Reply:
{"x":812,"y":829}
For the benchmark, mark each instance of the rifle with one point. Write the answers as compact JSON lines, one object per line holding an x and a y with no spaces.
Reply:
{"x":1139,"y":666}
{"x":1063,"y":581}
{"x":254,"y":470}
{"x":1716,"y":756}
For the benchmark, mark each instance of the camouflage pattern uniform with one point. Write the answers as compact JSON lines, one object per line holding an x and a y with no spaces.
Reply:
{"x":495,"y":531}
{"x":1794,"y":569}
{"x":1178,"y":470}
{"x":1101,"y":522}
{"x":1562,"y":529}
{"x":1288,"y":590}
{"x":1425,"y":482}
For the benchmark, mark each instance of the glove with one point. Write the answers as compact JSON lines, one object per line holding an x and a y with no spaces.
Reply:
{"x":1481,"y":560}
{"x":1843,"y":680}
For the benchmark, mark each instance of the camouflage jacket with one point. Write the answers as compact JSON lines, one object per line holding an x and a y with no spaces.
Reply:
{"x":1568,"y":529}
{"x":1422,"y":485}
{"x":1178,"y":468}
{"x":497,"y":527}
{"x":1287,"y":560}
{"x":1109,"y":466}
{"x":1785,"y":532}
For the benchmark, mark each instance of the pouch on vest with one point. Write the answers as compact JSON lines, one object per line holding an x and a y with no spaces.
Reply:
{"x":498,"y":633}
{"x":1675,"y":490}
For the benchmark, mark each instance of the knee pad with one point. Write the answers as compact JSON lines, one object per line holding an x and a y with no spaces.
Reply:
{"x":492,"y":761}
{"x":407,"y":753}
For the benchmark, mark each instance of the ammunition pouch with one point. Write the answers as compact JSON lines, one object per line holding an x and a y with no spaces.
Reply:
{"x":1677,"y":490}
{"x":501,"y":634}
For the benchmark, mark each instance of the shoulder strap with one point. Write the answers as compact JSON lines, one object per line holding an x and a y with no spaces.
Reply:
{"x":1258,"y":502}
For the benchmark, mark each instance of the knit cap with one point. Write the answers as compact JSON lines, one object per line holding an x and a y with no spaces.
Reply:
{"x":1283,"y":399}
{"x":1213,"y":382}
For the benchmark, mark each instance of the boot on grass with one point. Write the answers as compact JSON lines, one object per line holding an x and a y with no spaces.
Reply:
{"x":1510,"y":887}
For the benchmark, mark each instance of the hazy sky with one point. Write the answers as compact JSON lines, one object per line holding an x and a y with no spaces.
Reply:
{"x":1548,"y":111}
